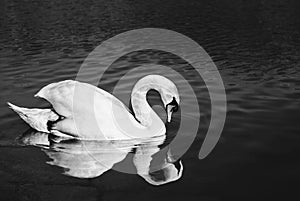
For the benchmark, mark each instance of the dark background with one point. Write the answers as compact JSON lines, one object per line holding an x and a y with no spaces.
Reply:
{"x":255,"y":45}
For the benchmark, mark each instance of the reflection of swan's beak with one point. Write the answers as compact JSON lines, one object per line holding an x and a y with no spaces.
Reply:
{"x":167,"y":174}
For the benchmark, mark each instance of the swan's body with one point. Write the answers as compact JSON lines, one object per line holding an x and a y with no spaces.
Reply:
{"x":84,"y":111}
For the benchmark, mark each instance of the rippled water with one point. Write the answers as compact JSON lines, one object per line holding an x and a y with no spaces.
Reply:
{"x":255,"y":45}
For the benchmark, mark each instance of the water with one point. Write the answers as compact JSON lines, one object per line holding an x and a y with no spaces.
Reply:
{"x":255,"y":45}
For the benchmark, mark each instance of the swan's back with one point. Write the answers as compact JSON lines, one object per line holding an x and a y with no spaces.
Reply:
{"x":62,"y":94}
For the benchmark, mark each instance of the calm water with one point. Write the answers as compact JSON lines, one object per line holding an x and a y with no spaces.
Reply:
{"x":255,"y":45}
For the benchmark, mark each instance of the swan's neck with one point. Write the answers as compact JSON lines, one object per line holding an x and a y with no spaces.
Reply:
{"x":142,"y":110}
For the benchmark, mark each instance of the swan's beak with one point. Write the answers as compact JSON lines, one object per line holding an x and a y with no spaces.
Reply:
{"x":169,"y":113}
{"x":170,"y":108}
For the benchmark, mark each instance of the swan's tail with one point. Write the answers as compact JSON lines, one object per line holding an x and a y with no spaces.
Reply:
{"x":36,"y":118}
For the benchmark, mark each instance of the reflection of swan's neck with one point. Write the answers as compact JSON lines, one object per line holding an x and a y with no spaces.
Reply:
{"x":163,"y":171}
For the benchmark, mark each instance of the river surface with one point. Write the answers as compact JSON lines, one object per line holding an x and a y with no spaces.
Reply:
{"x":254,"y":44}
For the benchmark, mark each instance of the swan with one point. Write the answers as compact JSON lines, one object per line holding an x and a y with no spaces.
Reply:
{"x":94,"y":106}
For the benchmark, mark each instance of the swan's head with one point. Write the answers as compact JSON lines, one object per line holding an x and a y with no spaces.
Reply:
{"x":166,"y":88}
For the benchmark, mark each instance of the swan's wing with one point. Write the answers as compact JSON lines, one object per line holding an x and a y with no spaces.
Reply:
{"x":89,"y":107}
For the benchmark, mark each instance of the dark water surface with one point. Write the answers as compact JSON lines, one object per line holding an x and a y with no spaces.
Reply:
{"x":255,"y":45}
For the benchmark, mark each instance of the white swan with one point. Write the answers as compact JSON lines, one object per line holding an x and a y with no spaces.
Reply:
{"x":90,"y":106}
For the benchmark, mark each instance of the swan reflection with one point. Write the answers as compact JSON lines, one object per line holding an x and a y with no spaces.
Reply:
{"x":90,"y":159}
